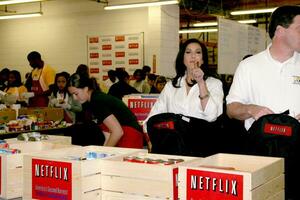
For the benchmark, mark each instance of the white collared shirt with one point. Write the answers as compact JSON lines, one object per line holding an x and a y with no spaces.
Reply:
{"x":176,"y":100}
{"x":263,"y":81}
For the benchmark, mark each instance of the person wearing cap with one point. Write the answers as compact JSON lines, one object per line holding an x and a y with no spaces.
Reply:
{"x":42,"y":76}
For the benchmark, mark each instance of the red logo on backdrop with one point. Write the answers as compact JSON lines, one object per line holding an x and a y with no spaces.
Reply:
{"x":106,"y":47}
{"x":106,"y":62}
{"x":94,"y":40}
{"x":141,"y":107}
{"x":51,"y":180}
{"x":278,"y":129}
{"x":94,"y":70}
{"x":133,"y":45}
{"x":120,"y":54}
{"x":133,"y":61}
{"x":104,"y":78}
{"x":213,"y":185}
{"x":120,"y":38}
{"x":175,"y":183}
{"x":94,"y":55}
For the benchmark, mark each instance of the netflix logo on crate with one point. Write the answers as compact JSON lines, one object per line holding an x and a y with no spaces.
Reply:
{"x":210,"y":185}
{"x":175,"y":183}
{"x":141,"y":107}
{"x":106,"y":47}
{"x":94,"y":55}
{"x":120,"y":38}
{"x":94,"y":40}
{"x":51,"y":180}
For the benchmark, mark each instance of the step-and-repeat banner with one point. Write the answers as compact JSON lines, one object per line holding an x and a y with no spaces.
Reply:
{"x":115,"y":51}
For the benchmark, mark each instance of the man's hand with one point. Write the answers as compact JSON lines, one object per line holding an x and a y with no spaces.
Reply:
{"x":258,"y":111}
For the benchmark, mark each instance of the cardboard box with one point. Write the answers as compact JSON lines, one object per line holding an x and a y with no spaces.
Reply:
{"x":47,"y":114}
{"x":232,"y":177}
{"x":80,"y":178}
{"x":6,"y":115}
{"x":11,"y":170}
{"x":155,"y":180}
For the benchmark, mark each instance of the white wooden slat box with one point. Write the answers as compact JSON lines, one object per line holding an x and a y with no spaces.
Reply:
{"x":232,"y":177}
{"x":59,"y":139}
{"x":83,"y":179}
{"x":152,"y":180}
{"x":11,"y":171}
{"x":108,"y":195}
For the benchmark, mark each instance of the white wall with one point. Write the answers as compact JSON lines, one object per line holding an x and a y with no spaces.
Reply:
{"x":60,"y":35}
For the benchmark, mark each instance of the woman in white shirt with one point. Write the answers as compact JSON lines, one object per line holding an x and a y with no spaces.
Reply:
{"x":194,"y":92}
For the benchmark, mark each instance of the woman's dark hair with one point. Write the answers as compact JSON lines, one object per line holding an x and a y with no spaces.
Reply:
{"x":17,"y":82}
{"x":122,"y":75}
{"x":66,"y":75}
{"x":180,"y":66}
{"x":81,"y":81}
{"x":83,"y":70}
{"x":139,"y":72}
{"x":282,"y":16}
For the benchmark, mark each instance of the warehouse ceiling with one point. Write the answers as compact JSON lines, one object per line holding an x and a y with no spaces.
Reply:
{"x":192,"y":11}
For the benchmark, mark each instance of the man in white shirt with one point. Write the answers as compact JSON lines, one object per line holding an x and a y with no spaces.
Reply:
{"x":269,"y":82}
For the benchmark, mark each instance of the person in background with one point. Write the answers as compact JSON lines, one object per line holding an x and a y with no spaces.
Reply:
{"x":120,"y":122}
{"x":139,"y":82}
{"x":151,"y":80}
{"x":15,"y":86}
{"x":60,"y":98}
{"x":83,"y":70}
{"x":146,"y":69}
{"x":112,"y":79}
{"x":158,"y":85}
{"x":42,"y":76}
{"x":3,"y":78}
{"x":194,"y":91}
{"x":122,"y":87}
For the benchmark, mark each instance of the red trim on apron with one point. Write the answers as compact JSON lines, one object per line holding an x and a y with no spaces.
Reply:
{"x":39,"y":100}
{"x":131,"y":138}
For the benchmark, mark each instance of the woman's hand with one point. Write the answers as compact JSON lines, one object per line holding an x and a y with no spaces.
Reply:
{"x":197,"y":73}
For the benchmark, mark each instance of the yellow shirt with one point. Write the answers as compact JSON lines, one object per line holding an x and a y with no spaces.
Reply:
{"x":46,"y":76}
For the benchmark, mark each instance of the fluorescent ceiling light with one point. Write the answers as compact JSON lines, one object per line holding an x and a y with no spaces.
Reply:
{"x":246,"y":12}
{"x":204,"y":24}
{"x":24,"y":15}
{"x":207,"y":24}
{"x":17,"y":1}
{"x":198,"y":30}
{"x":248,"y":21}
{"x":138,"y":5}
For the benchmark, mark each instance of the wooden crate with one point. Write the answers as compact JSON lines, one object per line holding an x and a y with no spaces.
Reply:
{"x":152,"y":180}
{"x":108,"y":195}
{"x":11,"y":171}
{"x":58,"y":139}
{"x":81,"y":180}
{"x":232,"y":177}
